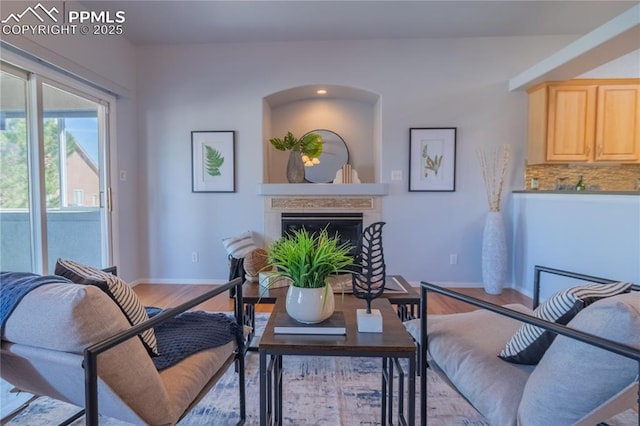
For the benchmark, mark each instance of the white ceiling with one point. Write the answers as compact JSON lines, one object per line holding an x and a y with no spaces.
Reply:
{"x":181,"y":22}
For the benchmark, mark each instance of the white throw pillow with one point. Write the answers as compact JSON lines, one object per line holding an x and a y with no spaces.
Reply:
{"x":239,"y":246}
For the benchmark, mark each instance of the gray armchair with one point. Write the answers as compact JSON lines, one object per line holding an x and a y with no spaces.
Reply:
{"x":588,"y":374}
{"x":72,"y":343}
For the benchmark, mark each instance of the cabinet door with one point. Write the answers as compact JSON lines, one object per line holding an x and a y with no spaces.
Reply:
{"x":618,"y":123}
{"x":571,"y":125}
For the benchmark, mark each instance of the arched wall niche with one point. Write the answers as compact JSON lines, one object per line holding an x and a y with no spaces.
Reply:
{"x":352,"y":113}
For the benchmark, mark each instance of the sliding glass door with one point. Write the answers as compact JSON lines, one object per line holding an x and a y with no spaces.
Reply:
{"x":53,"y":202}
{"x":15,"y":222}
{"x":72,"y":171}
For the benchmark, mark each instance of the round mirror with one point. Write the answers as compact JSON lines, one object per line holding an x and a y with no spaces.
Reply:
{"x":334,"y":155}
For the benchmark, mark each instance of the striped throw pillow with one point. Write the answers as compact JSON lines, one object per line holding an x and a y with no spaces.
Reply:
{"x":239,"y":246}
{"x":529,"y":343}
{"x":126,"y":299}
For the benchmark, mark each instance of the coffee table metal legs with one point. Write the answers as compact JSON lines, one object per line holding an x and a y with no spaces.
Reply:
{"x":250,"y":320}
{"x":387,"y":390}
{"x":388,"y":365}
{"x":271,"y":390}
{"x":277,"y":374}
{"x":407,"y":311}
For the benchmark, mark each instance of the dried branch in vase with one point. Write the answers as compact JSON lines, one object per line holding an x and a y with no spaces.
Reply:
{"x":494,"y":167}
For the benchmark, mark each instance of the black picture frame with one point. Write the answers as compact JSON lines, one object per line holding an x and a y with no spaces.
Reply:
{"x":213,"y":161}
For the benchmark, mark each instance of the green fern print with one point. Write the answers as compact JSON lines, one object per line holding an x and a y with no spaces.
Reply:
{"x":214,"y":161}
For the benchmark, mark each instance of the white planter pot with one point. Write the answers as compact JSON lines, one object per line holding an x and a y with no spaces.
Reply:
{"x":310,"y":305}
{"x":494,"y":254}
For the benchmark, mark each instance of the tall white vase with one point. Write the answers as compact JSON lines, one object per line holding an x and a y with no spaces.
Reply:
{"x":494,"y":254}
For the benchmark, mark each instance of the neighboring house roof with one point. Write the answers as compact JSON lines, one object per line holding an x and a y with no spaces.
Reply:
{"x":85,"y":157}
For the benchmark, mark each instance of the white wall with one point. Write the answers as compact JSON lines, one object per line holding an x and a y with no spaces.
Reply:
{"x":624,"y":67}
{"x":590,"y":234}
{"x":422,"y":83}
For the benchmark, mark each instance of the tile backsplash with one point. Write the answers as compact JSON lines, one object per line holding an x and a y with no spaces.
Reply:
{"x":600,"y":177}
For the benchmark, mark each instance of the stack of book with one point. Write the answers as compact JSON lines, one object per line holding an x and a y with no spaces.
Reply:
{"x":334,"y":325}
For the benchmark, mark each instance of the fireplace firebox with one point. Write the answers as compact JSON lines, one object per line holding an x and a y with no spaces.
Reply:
{"x":346,"y":226}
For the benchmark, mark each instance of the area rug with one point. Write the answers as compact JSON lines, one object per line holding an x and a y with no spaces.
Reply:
{"x":317,"y":391}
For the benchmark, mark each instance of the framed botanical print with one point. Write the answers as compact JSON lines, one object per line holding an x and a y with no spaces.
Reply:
{"x":432,"y":159}
{"x":213,"y":161}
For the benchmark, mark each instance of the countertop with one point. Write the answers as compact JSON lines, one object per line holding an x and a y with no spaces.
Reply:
{"x":577,"y":192}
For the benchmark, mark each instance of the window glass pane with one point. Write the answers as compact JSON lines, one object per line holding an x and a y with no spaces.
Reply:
{"x":72,"y":177}
{"x":15,"y":226}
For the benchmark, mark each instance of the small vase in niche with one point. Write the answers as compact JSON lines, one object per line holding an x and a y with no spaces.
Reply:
{"x":295,"y":168}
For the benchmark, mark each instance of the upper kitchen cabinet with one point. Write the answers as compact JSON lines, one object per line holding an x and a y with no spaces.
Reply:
{"x":584,"y":121}
{"x":618,"y":123}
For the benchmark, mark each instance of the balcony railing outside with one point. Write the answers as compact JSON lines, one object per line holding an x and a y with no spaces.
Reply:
{"x":72,"y":234}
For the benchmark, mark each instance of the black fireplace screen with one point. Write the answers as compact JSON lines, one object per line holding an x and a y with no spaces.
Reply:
{"x":346,"y":226}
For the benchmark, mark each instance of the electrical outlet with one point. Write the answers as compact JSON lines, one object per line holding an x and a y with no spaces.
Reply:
{"x":123,"y":175}
{"x":396,"y":175}
{"x":194,"y":256}
{"x":453,"y":259}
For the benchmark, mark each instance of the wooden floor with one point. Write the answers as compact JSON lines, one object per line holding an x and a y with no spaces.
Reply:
{"x":169,"y":295}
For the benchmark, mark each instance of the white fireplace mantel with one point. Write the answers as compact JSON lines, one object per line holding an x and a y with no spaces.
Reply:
{"x":362,"y":198}
{"x":329,"y":189}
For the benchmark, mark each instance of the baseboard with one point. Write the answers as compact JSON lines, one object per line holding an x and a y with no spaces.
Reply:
{"x":178,"y":281}
{"x":190,"y":281}
{"x":452,"y":284}
{"x":526,"y":291}
{"x":459,"y":284}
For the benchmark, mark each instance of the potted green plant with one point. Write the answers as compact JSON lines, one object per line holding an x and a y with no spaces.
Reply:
{"x":303,"y":152}
{"x":308,"y":260}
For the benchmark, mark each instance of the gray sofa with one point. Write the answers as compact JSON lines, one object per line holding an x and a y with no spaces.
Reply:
{"x":575,"y":382}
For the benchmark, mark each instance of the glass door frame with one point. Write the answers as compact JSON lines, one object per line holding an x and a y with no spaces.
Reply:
{"x":36,"y":78}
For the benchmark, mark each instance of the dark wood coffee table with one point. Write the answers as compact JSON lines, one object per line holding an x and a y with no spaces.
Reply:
{"x":393,"y":344}
{"x":405,"y":302}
